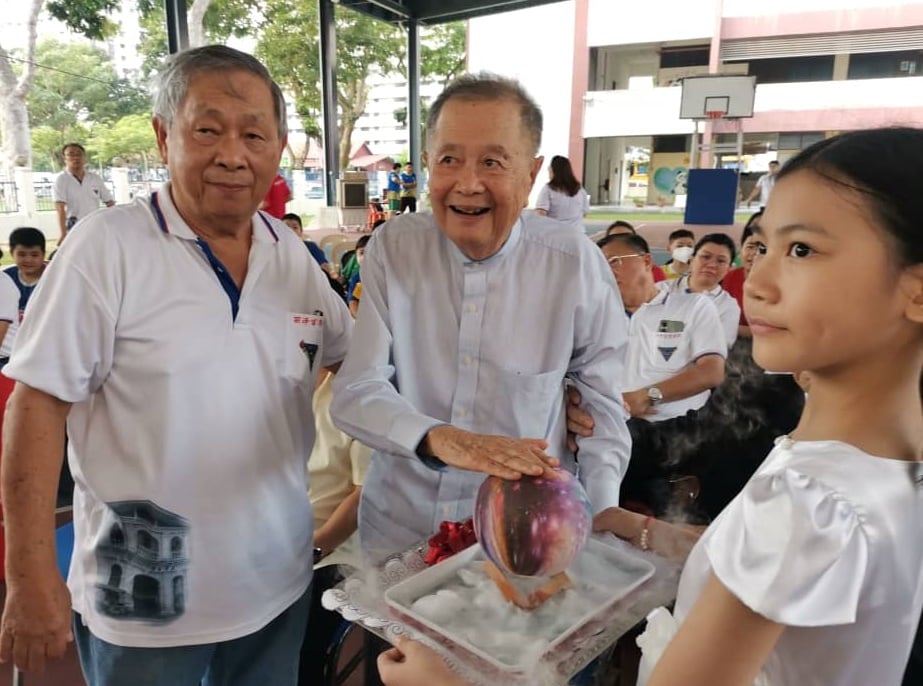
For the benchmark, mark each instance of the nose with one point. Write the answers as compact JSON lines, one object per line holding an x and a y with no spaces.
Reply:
{"x":468,"y":180}
{"x":762,"y":281}
{"x":230,"y":152}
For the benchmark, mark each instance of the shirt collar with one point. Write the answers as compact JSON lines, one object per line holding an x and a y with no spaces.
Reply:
{"x":508,"y":246}
{"x":170,"y":221}
{"x":683,"y":282}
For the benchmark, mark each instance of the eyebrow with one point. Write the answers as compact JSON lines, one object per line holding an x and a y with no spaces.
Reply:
{"x":249,"y":117}
{"x":792,"y":228}
{"x":490,"y":149}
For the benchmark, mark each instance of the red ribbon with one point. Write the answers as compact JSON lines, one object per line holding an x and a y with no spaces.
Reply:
{"x":452,"y":537}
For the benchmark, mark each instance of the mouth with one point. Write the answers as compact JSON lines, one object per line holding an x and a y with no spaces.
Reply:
{"x":228,"y":186}
{"x":469,"y":211}
{"x":761,"y":327}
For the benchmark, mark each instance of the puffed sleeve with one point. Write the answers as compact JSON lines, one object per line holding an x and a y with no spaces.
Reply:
{"x":792,"y":550}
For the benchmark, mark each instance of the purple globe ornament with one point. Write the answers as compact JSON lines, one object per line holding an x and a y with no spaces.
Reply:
{"x":535,"y":526}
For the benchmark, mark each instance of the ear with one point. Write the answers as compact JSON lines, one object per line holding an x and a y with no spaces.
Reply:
{"x":648,"y":262}
{"x":426,"y":160}
{"x":911,"y":285}
{"x":536,"y":167}
{"x":160,"y":131}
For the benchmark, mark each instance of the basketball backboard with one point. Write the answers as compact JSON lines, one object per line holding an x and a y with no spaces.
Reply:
{"x":705,"y":97}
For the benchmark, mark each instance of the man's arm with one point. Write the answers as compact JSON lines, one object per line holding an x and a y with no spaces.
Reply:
{"x":37,"y":616}
{"x":342,"y":523}
{"x":756,"y":190}
{"x":706,"y":372}
{"x":62,"y":220}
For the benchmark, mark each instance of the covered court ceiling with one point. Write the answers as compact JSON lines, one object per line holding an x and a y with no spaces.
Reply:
{"x":436,"y":11}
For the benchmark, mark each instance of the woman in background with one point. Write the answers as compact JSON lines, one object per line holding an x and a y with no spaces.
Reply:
{"x":563,"y":198}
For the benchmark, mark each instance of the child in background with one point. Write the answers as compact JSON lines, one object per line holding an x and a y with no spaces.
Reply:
{"x":811,"y":576}
{"x":680,"y":244}
{"x":354,"y":289}
{"x":27,"y":247}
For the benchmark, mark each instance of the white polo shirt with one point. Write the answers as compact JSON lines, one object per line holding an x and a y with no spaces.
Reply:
{"x":190,"y":427}
{"x":80,"y":197}
{"x":725,"y":303}
{"x":9,"y":311}
{"x":665,"y":336}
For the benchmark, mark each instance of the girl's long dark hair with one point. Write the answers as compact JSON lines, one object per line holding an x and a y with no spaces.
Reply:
{"x":562,"y":176}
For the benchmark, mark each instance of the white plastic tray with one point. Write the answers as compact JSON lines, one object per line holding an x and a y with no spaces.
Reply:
{"x":601,"y":573}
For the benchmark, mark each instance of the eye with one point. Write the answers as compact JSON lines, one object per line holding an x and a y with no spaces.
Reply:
{"x":491,"y":163}
{"x":206,"y":131}
{"x":760,"y":248}
{"x":800,"y":250}
{"x":446,"y":159}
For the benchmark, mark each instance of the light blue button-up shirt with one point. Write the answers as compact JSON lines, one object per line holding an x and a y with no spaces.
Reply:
{"x":485,"y":346}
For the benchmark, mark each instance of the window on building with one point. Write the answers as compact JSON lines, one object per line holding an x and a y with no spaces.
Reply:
{"x":791,"y":69}
{"x":686,"y":56}
{"x":883,"y":65}
{"x":678,"y":143}
{"x":794,"y":140}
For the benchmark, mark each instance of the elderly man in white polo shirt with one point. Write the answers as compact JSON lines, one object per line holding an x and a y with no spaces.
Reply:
{"x":77,"y":191}
{"x":180,"y":338}
{"x":676,"y":343}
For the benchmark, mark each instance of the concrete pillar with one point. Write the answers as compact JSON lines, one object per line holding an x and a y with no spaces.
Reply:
{"x":840,"y":67}
{"x":25,"y":195}
{"x":120,"y":184}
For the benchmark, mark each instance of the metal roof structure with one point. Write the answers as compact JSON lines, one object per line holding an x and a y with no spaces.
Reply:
{"x":436,"y":11}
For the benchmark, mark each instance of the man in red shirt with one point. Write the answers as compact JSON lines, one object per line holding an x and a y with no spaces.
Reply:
{"x":278,"y":195}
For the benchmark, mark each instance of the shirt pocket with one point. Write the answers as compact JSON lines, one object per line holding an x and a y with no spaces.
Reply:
{"x":302,"y":340}
{"x":669,"y":350}
{"x":526,"y":404}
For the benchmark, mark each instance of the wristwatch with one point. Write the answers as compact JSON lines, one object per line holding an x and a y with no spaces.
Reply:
{"x":655,"y":395}
{"x":319,"y":555}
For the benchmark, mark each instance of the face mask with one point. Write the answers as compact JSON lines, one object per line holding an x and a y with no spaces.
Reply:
{"x":682,"y":254}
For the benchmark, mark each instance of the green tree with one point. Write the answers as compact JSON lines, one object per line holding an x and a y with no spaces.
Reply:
{"x":130,"y":139}
{"x":289,"y":45}
{"x":76,"y":82}
{"x":14,"y":92}
{"x":86,"y":17}
{"x":208,"y":21}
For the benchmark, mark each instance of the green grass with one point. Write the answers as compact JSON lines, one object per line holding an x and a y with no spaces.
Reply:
{"x":672,"y":216}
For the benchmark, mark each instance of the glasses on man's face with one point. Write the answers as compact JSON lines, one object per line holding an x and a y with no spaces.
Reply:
{"x":616,"y":260}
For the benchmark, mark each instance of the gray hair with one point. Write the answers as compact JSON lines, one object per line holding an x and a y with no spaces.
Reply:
{"x":172,"y":81}
{"x":487,"y":86}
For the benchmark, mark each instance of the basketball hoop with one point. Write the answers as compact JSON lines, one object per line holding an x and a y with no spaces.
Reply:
{"x":715,"y":114}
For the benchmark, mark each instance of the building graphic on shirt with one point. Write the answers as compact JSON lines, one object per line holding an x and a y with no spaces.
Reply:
{"x":143,"y":561}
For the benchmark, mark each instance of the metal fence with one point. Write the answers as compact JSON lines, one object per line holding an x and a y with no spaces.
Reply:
{"x":41,"y":188}
{"x":9,"y":203}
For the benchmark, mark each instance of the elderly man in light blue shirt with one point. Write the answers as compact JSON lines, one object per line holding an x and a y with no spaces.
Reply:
{"x":472,"y":320}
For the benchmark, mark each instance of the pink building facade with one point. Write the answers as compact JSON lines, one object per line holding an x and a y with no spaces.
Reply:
{"x":821,"y":66}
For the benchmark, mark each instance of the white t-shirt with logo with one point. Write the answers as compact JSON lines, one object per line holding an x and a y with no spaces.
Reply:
{"x":190,"y":428}
{"x":725,"y":304}
{"x":666,"y":336}
{"x":9,"y":311}
{"x":80,"y":197}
